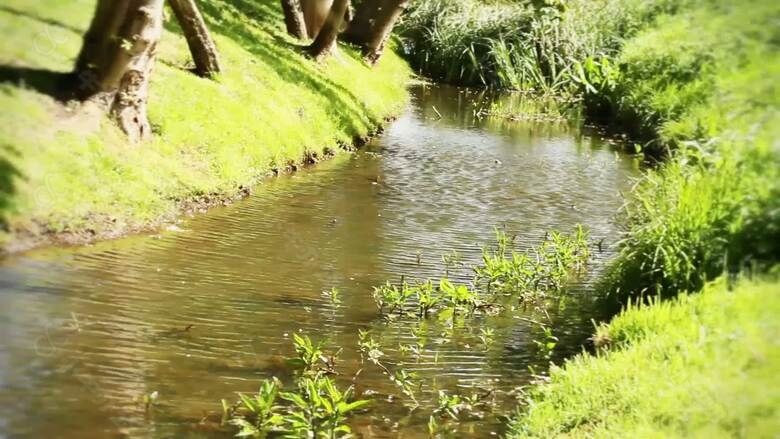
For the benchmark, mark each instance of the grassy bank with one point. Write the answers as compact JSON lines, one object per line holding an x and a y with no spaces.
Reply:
{"x":700,"y":83}
{"x":694,"y":80}
{"x":72,"y":174}
{"x":701,"y":365}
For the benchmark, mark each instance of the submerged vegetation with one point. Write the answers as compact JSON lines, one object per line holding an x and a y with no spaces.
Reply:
{"x":315,"y":407}
{"x":313,"y":404}
{"x":525,"y":276}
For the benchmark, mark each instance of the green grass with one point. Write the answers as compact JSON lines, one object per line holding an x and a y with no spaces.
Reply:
{"x":701,"y":82}
{"x":527,"y":45}
{"x":703,"y":365}
{"x":270,"y":108}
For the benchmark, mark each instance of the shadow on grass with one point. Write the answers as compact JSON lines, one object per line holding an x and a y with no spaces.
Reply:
{"x":230,"y":19}
{"x":55,"y":84}
{"x":8,"y":174}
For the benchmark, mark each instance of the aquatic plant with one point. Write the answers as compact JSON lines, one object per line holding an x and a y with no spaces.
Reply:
{"x":310,"y":354}
{"x":547,"y":344}
{"x":392,"y":298}
{"x":408,"y":383}
{"x":333,"y":295}
{"x":262,"y":410}
{"x":449,"y":405}
{"x":369,"y":348}
{"x":541,"y":269}
{"x":527,"y":275}
{"x":427,"y":298}
{"x":487,"y":336}
{"x":319,"y":409}
{"x":315,"y":407}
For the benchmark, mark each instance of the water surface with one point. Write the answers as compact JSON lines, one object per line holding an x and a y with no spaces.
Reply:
{"x":88,"y":332}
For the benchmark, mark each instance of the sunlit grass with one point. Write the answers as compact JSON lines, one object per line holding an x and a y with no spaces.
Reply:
{"x":700,"y":366}
{"x":270,"y":108}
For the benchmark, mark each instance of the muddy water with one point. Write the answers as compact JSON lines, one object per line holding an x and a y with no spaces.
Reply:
{"x":86,"y":333}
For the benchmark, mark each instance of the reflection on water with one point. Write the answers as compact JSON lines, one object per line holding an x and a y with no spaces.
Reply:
{"x":87,"y":332}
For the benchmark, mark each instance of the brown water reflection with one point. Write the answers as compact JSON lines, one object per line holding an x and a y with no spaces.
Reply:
{"x":248,"y":275}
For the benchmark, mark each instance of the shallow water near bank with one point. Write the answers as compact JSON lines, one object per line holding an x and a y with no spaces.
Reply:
{"x":207,"y":309}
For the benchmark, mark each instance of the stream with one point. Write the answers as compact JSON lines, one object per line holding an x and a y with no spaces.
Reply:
{"x":207,"y":308}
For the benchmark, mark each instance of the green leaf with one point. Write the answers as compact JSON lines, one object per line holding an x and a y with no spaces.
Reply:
{"x":355,"y":405}
{"x":249,"y":403}
{"x":445,"y":314}
{"x":295,"y":399}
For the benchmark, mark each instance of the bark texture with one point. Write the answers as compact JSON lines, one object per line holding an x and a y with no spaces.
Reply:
{"x":326,"y":38}
{"x":373,"y":23}
{"x":117,"y":59}
{"x":202,"y":47}
{"x":293,"y":18}
{"x":315,"y":14}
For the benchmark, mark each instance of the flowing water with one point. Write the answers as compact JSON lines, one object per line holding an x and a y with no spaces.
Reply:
{"x":208,"y":309}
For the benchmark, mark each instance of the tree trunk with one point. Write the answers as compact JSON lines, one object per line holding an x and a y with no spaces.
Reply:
{"x":202,"y":47}
{"x":372,"y":25}
{"x":117,"y":60}
{"x":293,"y":18}
{"x":98,"y":39}
{"x":315,"y":13}
{"x":362,"y":23}
{"x":326,"y":38}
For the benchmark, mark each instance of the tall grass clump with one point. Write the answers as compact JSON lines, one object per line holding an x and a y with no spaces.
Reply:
{"x":688,"y":223}
{"x":701,"y":83}
{"x":534,"y":46}
{"x":451,"y":41}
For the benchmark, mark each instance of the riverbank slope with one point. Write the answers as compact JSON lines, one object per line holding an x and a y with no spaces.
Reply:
{"x":70,"y":177}
{"x":701,"y":365}
{"x":696,"y":80}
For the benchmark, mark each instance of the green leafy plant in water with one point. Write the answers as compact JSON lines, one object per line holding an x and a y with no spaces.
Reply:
{"x":392,"y":298}
{"x":451,"y":260}
{"x":319,"y":409}
{"x":456,"y":297}
{"x":333,"y":296}
{"x":369,"y":348}
{"x":427,"y":298}
{"x":408,"y":383}
{"x":309,"y":354}
{"x":449,"y":405}
{"x":316,"y":408}
{"x":261,"y":409}
{"x":538,"y":270}
{"x":547,"y":344}
{"x":487,"y":336}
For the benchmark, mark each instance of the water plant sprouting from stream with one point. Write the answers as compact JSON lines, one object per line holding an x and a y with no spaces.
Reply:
{"x":529,"y":275}
{"x":315,"y":407}
{"x":538,"y":270}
